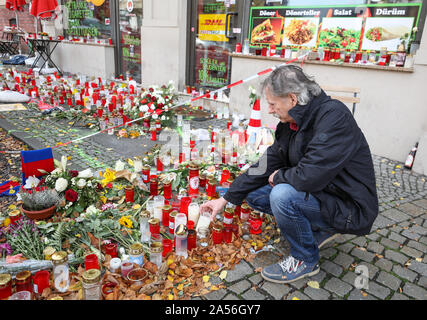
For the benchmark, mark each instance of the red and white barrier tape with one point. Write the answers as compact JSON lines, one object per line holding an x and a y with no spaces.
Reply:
{"x":257,"y":75}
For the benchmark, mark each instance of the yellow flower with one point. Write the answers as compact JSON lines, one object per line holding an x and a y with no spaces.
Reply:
{"x":103,"y":199}
{"x":6,"y":222}
{"x":78,"y":235}
{"x":109,"y":176}
{"x":126,"y":222}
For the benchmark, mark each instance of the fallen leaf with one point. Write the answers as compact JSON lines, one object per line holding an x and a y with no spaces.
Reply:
{"x":313,"y":284}
{"x":223,"y":275}
{"x":205,"y":278}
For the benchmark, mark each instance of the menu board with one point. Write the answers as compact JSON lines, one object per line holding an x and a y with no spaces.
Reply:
{"x":364,"y":27}
{"x":87,"y":19}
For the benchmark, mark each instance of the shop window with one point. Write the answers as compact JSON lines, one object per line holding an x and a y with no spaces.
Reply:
{"x":88,"y":18}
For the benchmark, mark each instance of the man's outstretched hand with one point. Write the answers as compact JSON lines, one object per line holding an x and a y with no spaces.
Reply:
{"x":213,"y":206}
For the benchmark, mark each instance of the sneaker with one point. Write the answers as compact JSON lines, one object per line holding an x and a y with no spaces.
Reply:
{"x":289,"y":270}
{"x":323,"y":237}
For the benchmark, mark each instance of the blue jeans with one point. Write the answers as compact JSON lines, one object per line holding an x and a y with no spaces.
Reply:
{"x":297,"y":215}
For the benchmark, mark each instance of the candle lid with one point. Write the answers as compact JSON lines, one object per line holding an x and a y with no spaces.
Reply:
{"x":181,"y":230}
{"x":59,"y":257}
{"x":156,"y":247}
{"x":5,"y":279}
{"x":91,"y":276}
{"x":14,"y":213}
{"x":154,"y":221}
{"x":167,"y":207}
{"x":49,"y":251}
{"x":145,"y":214}
{"x":136,"y":248}
{"x":244,"y":206}
{"x":193,"y":166}
{"x":173,"y":214}
{"x":217,"y":227}
{"x":23,"y":275}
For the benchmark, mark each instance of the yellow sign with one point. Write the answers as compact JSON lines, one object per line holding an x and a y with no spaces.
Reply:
{"x":212,"y":27}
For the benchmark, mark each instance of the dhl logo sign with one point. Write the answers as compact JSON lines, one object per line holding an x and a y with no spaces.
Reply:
{"x":212,"y":27}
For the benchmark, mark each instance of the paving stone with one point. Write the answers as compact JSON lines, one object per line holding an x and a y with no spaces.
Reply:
{"x":414,"y":291}
{"x":253,"y":295}
{"x":396,"y":237}
{"x":384,"y":264}
{"x":404,"y":273}
{"x":360,"y":241}
{"x":331,"y":268}
{"x":377,"y":290}
{"x":421,"y":203}
{"x":373,"y":236}
{"x":411,"y":252}
{"x":319,"y":276}
{"x":412,"y":209}
{"x":299,"y":284}
{"x":327,"y":253}
{"x":240,"y":286}
{"x":216,"y":295}
{"x":388,"y":280}
{"x":375,"y":247}
{"x":239,"y":272}
{"x":423,"y":282}
{"x":373,"y":270}
{"x":344,"y":238}
{"x":423,"y":240}
{"x":346,"y":247}
{"x":349,"y":277}
{"x":390,"y":243}
{"x":398,"y":296}
{"x":276,"y":290}
{"x":396,"y":256}
{"x":256,"y":279}
{"x":231,"y":296}
{"x":382,"y":222}
{"x":410,"y":234}
{"x":418,"y":229}
{"x":418,"y":267}
{"x":338,"y":287}
{"x":363,"y":254}
{"x":396,"y":215}
{"x":317,"y":294}
{"x":298,"y":295}
{"x":356,"y":294}
{"x":383,"y":232}
{"x":344,"y":260}
{"x":396,"y":229}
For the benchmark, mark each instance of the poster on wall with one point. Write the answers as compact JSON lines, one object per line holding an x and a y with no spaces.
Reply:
{"x":212,"y":27}
{"x":367,"y":27}
{"x":212,"y":66}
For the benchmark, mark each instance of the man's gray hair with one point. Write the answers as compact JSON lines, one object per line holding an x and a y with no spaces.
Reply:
{"x":291,"y":79}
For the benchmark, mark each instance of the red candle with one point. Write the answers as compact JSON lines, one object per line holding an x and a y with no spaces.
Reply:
{"x":172,"y":221}
{"x":159,"y":164}
{"x":228,"y":234}
{"x":111,"y":249}
{"x":211,"y":188}
{"x":146,"y":174}
{"x":5,"y":286}
{"x":167,"y":246}
{"x":228,"y":216}
{"x":167,"y":190}
{"x":191,"y":239}
{"x":185,"y":202}
{"x":24,"y":281}
{"x":193,"y":176}
{"x":91,"y":261}
{"x":153,"y":135}
{"x":202,"y":181}
{"x":154,"y":226}
{"x":153,"y":187}
{"x":130,"y":194}
{"x":181,"y":157}
{"x":166,"y":210}
{"x":41,"y":281}
{"x":14,"y":216}
{"x":217,"y":234}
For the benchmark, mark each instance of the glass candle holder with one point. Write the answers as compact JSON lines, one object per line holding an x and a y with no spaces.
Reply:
{"x":167,"y":246}
{"x":130,"y":194}
{"x":126,"y":267}
{"x":24,"y":281}
{"x":144,"y":226}
{"x":146,"y":174}
{"x":40,"y":281}
{"x":172,"y":216}
{"x":185,"y":202}
{"x":227,"y":233}
{"x":167,"y":190}
{"x":191,"y":239}
{"x":154,"y":226}
{"x":61,"y":271}
{"x":115,"y":264}
{"x":5,"y":286}
{"x":91,"y":283}
{"x":181,"y":233}
{"x":228,"y":216}
{"x":150,"y":207}
{"x":156,"y":250}
{"x":91,"y":261}
{"x":204,"y":220}
{"x":244,"y":212}
{"x":158,"y":213}
{"x":166,"y":210}
{"x":193,"y":212}
{"x":217,"y":234}
{"x":111,"y":249}
{"x":193,"y":176}
{"x":154,"y":187}
{"x":180,"y":218}
{"x":136,"y":253}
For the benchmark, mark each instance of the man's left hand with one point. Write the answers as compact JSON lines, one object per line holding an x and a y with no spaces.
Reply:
{"x":270,"y":179}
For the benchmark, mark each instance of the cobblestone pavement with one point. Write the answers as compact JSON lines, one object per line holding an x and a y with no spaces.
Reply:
{"x":394,"y":253}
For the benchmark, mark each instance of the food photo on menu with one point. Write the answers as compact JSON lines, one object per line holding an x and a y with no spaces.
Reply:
{"x":300,"y":31}
{"x":386,"y":32}
{"x":266,"y":31}
{"x":340,"y":33}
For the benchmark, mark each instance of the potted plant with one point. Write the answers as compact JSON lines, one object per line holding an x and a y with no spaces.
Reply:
{"x":39,"y":204}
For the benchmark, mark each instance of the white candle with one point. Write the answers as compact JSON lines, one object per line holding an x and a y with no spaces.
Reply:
{"x":204,"y":220}
{"x":193,"y":212}
{"x":158,"y":213}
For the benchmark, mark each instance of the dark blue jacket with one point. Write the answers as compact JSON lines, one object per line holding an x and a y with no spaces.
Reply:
{"x":328,"y":157}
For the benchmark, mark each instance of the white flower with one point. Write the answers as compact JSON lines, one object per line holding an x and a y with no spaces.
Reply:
{"x":63,"y":163}
{"x":31,"y":182}
{"x":143,"y":108}
{"x":81,"y":183}
{"x":73,"y":181}
{"x":155,"y":116}
{"x":85,"y":174}
{"x":56,"y":172}
{"x":119,"y":165}
{"x":92,"y":210}
{"x":61,"y":184}
{"x":163,"y":117}
{"x":153,"y":107}
{"x":137,"y":164}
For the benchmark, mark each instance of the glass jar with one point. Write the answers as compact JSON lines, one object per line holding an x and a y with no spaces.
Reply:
{"x":326,"y":54}
{"x":146,"y":174}
{"x":217,"y":234}
{"x":365,"y":56}
{"x":228,"y":216}
{"x":154,"y":187}
{"x":111,"y":249}
{"x":5,"y":286}
{"x":136,"y":253}
{"x":203,"y":236}
{"x":202,"y":180}
{"x":211,"y":190}
{"x":227,"y":233}
{"x":393,"y":60}
{"x":130,"y":194}
{"x":14,"y":216}
{"x":372,"y":56}
{"x":144,"y":227}
{"x":172,"y":216}
{"x":193,"y":212}
{"x":191,"y":240}
{"x":193,"y":179}
{"x":167,"y":189}
{"x":244,"y":212}
{"x":154,"y":226}
{"x":126,"y":267}
{"x":358,"y":56}
{"x":166,"y":210}
{"x":181,"y":246}
{"x":91,"y":282}
{"x":347,"y":57}
{"x":156,"y":250}
{"x":61,"y":272}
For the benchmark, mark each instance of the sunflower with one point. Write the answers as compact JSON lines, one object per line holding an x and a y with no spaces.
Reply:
{"x":126,"y":222}
{"x":109,"y":176}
